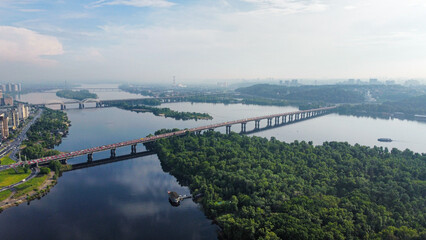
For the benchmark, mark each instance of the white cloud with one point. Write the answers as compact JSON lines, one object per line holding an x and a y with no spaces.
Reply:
{"x":23,"y":45}
{"x":133,"y":3}
{"x":287,"y":6}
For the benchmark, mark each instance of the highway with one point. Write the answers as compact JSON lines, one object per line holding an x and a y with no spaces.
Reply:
{"x":13,"y":147}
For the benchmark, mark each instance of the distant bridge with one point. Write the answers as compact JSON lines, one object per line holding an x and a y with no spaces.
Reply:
{"x":104,"y":103}
{"x":278,"y":119}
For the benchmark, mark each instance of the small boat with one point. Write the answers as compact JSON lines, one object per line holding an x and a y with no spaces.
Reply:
{"x":384,"y":140}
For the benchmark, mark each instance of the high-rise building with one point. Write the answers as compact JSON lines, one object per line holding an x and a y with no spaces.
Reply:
{"x":8,"y":101}
{"x":4,"y":127}
{"x":23,"y":111}
{"x":14,"y":119}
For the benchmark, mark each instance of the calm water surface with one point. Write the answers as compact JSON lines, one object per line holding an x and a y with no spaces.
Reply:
{"x":128,"y":200}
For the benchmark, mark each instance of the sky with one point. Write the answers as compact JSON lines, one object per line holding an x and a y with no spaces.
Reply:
{"x":150,"y":41}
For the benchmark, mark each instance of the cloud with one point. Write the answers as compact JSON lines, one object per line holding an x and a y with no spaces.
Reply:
{"x":24,"y":45}
{"x":133,"y":3}
{"x":287,"y":6}
{"x":31,"y":10}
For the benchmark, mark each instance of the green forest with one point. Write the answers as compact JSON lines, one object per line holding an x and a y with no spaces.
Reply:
{"x":78,"y":95}
{"x":255,"y":188}
{"x":44,"y":134}
{"x":408,"y":107}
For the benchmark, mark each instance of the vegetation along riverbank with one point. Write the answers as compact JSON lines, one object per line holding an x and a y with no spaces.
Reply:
{"x":44,"y":134}
{"x":256,"y":188}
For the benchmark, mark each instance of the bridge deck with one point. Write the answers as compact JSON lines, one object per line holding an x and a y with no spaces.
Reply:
{"x":73,"y":154}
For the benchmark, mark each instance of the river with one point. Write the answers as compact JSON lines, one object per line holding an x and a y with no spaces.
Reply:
{"x":128,"y":200}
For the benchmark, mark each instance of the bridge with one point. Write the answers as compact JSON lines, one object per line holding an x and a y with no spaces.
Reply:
{"x":272,"y":120}
{"x":105,"y":103}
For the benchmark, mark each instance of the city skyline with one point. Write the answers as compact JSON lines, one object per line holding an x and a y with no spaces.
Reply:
{"x":153,"y":40}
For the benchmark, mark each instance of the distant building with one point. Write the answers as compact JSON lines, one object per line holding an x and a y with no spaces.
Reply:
{"x":1,"y":94}
{"x":412,"y":83}
{"x":23,"y":111}
{"x":13,"y":119}
{"x":7,"y":101}
{"x":4,"y":127}
{"x":374,"y":81}
{"x":390,"y":82}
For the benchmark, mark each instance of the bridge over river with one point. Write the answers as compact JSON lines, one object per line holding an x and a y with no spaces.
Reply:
{"x":279,"y":119}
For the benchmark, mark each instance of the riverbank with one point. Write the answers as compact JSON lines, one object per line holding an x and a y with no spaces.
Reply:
{"x":26,"y":192}
{"x":45,"y":134}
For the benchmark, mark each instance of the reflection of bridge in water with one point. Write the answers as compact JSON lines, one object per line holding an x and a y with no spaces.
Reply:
{"x":279,"y":119}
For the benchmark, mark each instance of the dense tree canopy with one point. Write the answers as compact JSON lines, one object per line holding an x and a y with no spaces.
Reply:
{"x":44,"y":134}
{"x":78,"y":95}
{"x":266,"y":189}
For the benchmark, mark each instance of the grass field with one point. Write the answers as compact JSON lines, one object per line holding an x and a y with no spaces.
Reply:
{"x":8,"y":177}
{"x":32,"y":184}
{"x":5,"y":194}
{"x":6,"y":160}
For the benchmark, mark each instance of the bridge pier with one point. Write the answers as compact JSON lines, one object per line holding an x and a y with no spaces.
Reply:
{"x":243,"y":127}
{"x":269,"y":123}
{"x":81,"y":105}
{"x":63,"y":107}
{"x":277,"y":121}
{"x":228,"y":129}
{"x":112,"y":153}
{"x":98,"y":104}
{"x":133,"y":149}
{"x":90,"y":157}
{"x":63,"y":161}
{"x":256,"y":124}
{"x":284,"y":119}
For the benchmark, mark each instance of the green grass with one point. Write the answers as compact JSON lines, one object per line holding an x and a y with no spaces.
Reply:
{"x":32,"y":184}
{"x":9,"y":176}
{"x":5,"y":194}
{"x":6,"y":160}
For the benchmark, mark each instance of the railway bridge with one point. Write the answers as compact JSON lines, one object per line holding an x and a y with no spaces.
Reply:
{"x":272,"y":120}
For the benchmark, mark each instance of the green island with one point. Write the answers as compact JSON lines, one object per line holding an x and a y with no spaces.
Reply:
{"x":44,"y":134}
{"x":166,"y":112}
{"x":6,"y":160}
{"x":77,"y":95}
{"x":255,"y":188}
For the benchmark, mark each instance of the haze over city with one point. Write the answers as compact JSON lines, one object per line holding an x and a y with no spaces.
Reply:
{"x":207,"y":41}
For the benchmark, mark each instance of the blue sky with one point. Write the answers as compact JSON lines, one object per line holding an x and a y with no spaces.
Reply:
{"x":209,"y":41}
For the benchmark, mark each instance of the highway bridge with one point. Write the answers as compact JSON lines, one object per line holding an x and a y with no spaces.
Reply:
{"x":104,"y":103}
{"x":278,"y":119}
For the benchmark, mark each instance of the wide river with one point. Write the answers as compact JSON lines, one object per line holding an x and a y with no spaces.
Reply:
{"x":128,"y":199}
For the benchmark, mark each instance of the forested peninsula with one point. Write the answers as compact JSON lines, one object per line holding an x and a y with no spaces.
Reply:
{"x":77,"y":95}
{"x":44,"y":134}
{"x":255,"y":188}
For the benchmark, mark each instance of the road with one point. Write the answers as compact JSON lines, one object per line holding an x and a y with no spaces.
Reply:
{"x":13,"y":146}
{"x":34,"y":172}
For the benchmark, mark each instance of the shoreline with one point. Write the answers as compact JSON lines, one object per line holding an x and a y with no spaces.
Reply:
{"x":32,"y":195}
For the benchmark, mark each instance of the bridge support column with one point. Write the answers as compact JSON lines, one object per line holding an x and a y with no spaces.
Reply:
{"x":228,"y":129}
{"x":277,"y":120}
{"x":284,"y":119}
{"x":90,"y":157}
{"x":64,"y":161}
{"x":291,"y":118}
{"x":81,"y":105}
{"x":198,"y":132}
{"x":269,"y":122}
{"x":63,"y":107}
{"x":257,"y":124}
{"x":133,"y":149}
{"x":243,"y":127}
{"x":113,"y":153}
